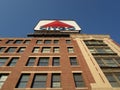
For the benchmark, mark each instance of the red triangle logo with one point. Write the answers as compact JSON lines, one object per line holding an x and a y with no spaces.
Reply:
{"x":57,"y":24}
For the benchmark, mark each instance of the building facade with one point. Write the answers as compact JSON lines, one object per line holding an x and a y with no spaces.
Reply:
{"x":53,"y":60}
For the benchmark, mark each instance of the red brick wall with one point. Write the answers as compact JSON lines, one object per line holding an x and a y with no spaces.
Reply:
{"x":67,"y":82}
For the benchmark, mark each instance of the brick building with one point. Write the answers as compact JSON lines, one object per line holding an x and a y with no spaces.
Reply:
{"x":59,"y":60}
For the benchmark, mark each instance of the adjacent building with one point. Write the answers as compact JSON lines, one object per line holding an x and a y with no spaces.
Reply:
{"x":58,"y":57}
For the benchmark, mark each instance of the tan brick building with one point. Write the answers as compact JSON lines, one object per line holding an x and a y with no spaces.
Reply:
{"x":51,"y":60}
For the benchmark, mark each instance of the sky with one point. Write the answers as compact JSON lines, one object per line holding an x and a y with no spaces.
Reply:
{"x":19,"y":17}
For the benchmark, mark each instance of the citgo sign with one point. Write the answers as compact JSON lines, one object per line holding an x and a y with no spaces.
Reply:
{"x":61,"y":25}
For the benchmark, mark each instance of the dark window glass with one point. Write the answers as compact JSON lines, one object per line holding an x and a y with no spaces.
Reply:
{"x":108,"y":50}
{"x":56,"y":61}
{"x":3,"y":60}
{"x":117,"y":75}
{"x":47,"y":41}
{"x":26,"y":41}
{"x":92,"y":50}
{"x":56,"y":82}
{"x":100,"y":62}
{"x":23,"y":81}
{"x":70,"y":50}
{"x":78,"y":80}
{"x":35,"y":50}
{"x":109,"y":62}
{"x":18,"y":41}
{"x":3,"y":78}
{"x":100,"y":50}
{"x":21,"y":49}
{"x":39,"y":81}
{"x":9,"y":41}
{"x":101,"y":42}
{"x":13,"y":61}
{"x":94,"y":42}
{"x":56,"y":49}
{"x":112,"y":78}
{"x":11,"y":49}
{"x":43,"y":61}
{"x":86,"y":42}
{"x":39,"y":42}
{"x":2,"y":49}
{"x":31,"y":61}
{"x":73,"y":61}
{"x":68,"y":41}
{"x":56,"y":41}
{"x":46,"y":50}
{"x":118,"y":60}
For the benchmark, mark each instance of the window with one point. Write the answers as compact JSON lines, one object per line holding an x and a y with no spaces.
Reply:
{"x":100,"y":62}
{"x":100,"y":50}
{"x":9,"y":41}
{"x":56,"y":61}
{"x":117,"y":59}
{"x":43,"y":61}
{"x":21,"y":49}
{"x":70,"y":50}
{"x":39,"y":42}
{"x":3,"y":60}
{"x":39,"y":81}
{"x":73,"y":61}
{"x":108,"y":50}
{"x":55,"y":83}
{"x":26,"y":41}
{"x":13,"y":61}
{"x":78,"y":80}
{"x":108,"y":61}
{"x":46,"y":50}
{"x":114,"y":79}
{"x":31,"y":61}
{"x":35,"y":49}
{"x":94,"y":42}
{"x":47,"y":41}
{"x":92,"y":50}
{"x":56,"y":41}
{"x":3,"y":78}
{"x":23,"y":81}
{"x":18,"y":41}
{"x":2,"y":49}
{"x":11,"y":49}
{"x":68,"y":41}
{"x":56,"y":50}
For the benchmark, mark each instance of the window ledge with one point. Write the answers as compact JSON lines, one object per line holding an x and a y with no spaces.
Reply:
{"x":75,"y":66}
{"x":82,"y":88}
{"x":37,"y":88}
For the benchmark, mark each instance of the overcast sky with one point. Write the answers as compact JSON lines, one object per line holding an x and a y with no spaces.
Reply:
{"x":19,"y":17}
